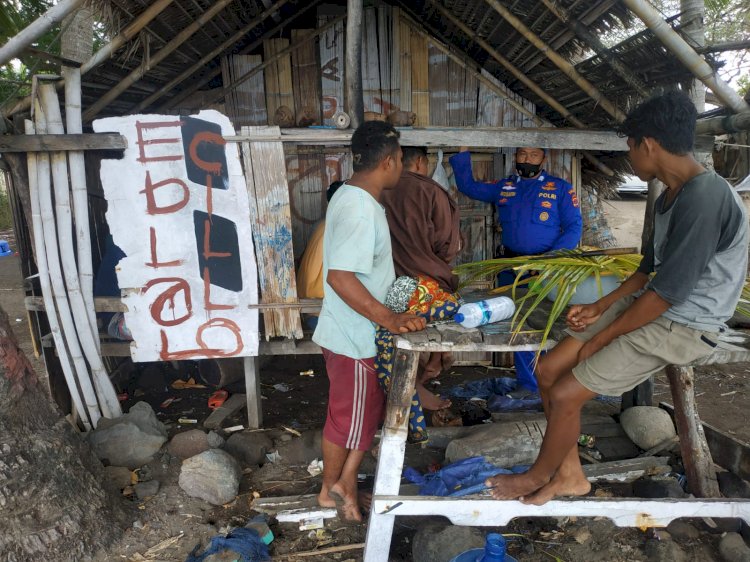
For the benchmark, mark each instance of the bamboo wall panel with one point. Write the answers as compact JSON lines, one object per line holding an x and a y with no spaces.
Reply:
{"x":306,"y":169}
{"x":278,"y":79}
{"x":438,"y":87}
{"x":332,"y":68}
{"x":371,"y":62}
{"x":420,"y":81}
{"x":306,"y":78}
{"x":265,"y":173}
{"x":404,"y":62}
{"x":246,"y":104}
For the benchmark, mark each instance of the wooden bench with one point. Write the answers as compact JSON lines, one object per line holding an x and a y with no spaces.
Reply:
{"x":483,"y":510}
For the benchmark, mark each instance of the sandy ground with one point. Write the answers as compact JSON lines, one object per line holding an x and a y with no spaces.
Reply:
{"x":625,"y":218}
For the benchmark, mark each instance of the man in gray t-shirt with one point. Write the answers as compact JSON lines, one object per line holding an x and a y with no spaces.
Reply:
{"x":667,"y":312}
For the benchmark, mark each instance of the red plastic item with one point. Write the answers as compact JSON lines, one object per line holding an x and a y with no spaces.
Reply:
{"x":217,"y":399}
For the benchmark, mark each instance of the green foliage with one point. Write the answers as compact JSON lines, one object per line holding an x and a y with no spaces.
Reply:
{"x":6,"y":219}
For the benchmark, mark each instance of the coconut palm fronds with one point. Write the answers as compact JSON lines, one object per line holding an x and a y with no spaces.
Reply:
{"x":562,"y":271}
{"x":743,"y":307}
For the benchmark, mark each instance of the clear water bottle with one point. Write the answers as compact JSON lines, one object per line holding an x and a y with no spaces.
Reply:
{"x":483,"y":312}
{"x":493,"y":551}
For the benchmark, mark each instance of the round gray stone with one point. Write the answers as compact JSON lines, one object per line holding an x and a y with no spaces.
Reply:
{"x":188,"y":444}
{"x":213,"y":476}
{"x":647,"y":426}
{"x":733,"y":548}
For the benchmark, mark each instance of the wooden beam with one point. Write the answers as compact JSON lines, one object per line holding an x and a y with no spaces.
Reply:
{"x":16,"y":44}
{"x":216,"y":96}
{"x":46,"y":143}
{"x":154,"y":61}
{"x":726,"y":124}
{"x":200,"y":64}
{"x":569,"y":70}
{"x":593,"y":41}
{"x":696,"y":457}
{"x":489,"y":137}
{"x":354,"y":102}
{"x":205,"y":79}
{"x":721,"y":47}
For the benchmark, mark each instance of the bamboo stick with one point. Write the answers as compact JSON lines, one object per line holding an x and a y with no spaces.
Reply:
{"x":229,"y":43}
{"x":155,"y":59}
{"x":216,"y":96}
{"x":692,"y":60}
{"x":354,"y":102}
{"x":36,"y":29}
{"x":86,"y":332}
{"x":570,"y":71}
{"x":90,"y":406}
{"x":110,"y":48}
{"x":245,"y":50}
{"x":44,"y":279}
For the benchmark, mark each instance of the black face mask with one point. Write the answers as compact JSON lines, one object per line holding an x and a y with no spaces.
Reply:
{"x":526,"y":170}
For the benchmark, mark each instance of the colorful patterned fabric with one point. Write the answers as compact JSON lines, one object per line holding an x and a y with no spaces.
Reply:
{"x":432,"y":303}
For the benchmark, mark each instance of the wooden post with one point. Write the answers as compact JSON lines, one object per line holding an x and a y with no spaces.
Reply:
{"x":157,"y":57}
{"x":252,"y":392}
{"x":392,"y":449}
{"x":569,"y":70}
{"x":699,"y":467}
{"x":36,"y":29}
{"x":355,"y":105}
{"x":229,"y":43}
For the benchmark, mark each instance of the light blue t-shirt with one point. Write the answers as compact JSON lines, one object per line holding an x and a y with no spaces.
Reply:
{"x":356,"y":239}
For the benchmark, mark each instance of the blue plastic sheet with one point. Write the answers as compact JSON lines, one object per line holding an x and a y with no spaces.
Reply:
{"x":498,"y":394}
{"x":245,"y":542}
{"x":460,"y":478}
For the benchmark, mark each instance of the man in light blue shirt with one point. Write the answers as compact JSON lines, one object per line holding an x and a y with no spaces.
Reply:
{"x":358,"y":270}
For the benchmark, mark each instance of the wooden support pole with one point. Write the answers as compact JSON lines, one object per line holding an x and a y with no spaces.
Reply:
{"x":543,"y":95}
{"x":36,"y":29}
{"x":721,"y":47}
{"x":205,"y":79}
{"x":569,"y":70}
{"x":228,"y":44}
{"x":692,"y":60}
{"x":727,"y":124}
{"x":106,"y":52}
{"x":252,"y":393}
{"x":593,"y":41}
{"x":45,"y":143}
{"x":696,"y":457}
{"x":355,"y":105}
{"x":154,"y":61}
{"x":216,"y":96}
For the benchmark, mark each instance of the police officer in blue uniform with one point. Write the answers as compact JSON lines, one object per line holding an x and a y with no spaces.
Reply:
{"x":538,"y":213}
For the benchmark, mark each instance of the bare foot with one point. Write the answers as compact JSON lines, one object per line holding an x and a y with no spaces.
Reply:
{"x":560,"y":485}
{"x":431,"y":401}
{"x":364,"y":499}
{"x":347,"y":505}
{"x":513,"y":486}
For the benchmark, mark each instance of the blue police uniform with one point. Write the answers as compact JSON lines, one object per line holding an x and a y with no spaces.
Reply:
{"x":537,"y":215}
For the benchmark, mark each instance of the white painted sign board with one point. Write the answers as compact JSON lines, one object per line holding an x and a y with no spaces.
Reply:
{"x":178,"y":208}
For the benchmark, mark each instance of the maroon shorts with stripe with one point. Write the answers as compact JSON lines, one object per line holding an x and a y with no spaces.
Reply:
{"x":355,"y":401}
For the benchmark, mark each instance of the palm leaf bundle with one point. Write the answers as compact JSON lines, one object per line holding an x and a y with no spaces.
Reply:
{"x":743,"y":307}
{"x":563,"y":270}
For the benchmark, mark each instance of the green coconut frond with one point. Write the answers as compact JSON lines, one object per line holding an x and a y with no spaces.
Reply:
{"x":564,"y":270}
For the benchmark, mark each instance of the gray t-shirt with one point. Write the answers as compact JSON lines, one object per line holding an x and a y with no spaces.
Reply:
{"x":698,"y":252}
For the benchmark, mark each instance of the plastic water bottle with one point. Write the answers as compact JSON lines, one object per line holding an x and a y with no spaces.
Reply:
{"x":483,"y":312}
{"x":493,"y":551}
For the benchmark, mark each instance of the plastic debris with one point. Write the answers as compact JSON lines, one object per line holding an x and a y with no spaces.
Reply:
{"x":281,"y":387}
{"x":307,"y":373}
{"x":234,"y":428}
{"x":168,"y":401}
{"x":190,"y":383}
{"x":217,"y":399}
{"x":315,"y":467}
{"x":273,"y":457}
{"x":187,"y":421}
{"x":586,"y":440}
{"x":311,"y":524}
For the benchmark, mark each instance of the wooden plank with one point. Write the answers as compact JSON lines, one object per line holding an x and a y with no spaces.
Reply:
{"x":726,"y":451}
{"x":252,"y":391}
{"x":48,"y":143}
{"x":404,"y":62}
{"x":246,"y":104}
{"x":420,"y":81}
{"x":371,"y":87}
{"x":332,"y":68}
{"x":488,"y":512}
{"x":626,"y":470}
{"x":438,"y":86}
{"x":306,"y":78}
{"x":278,"y":80}
{"x":478,"y":137}
{"x":696,"y":457}
{"x":233,"y":405}
{"x":265,"y":173}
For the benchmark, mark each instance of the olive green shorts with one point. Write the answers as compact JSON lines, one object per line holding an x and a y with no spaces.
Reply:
{"x":632,"y":358}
